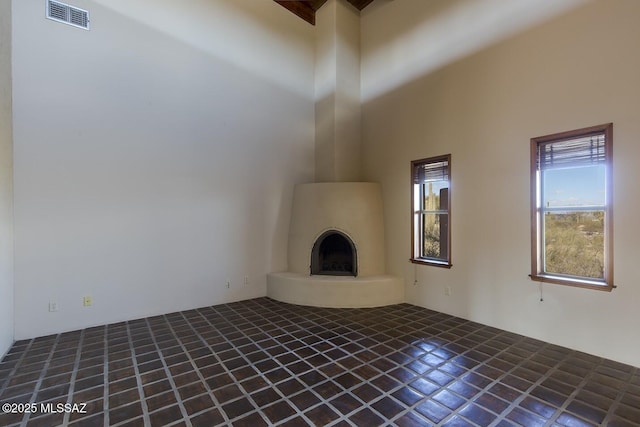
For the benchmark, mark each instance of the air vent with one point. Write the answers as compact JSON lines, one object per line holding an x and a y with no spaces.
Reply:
{"x":67,"y":14}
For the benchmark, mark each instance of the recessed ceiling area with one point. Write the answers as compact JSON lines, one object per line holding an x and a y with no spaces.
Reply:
{"x":306,"y":9}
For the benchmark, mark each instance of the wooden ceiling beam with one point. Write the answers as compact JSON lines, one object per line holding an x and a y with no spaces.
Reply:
{"x":303,"y":9}
{"x":306,"y":9}
{"x":360,"y":4}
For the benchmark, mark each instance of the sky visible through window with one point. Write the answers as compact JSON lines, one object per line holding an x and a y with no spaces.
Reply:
{"x":578,"y":186}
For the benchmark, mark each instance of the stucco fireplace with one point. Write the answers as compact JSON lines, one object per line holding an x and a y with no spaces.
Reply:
{"x":336,"y":235}
{"x":336,"y":249}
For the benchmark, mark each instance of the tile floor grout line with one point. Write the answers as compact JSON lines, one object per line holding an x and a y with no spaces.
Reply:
{"x":537,"y":383}
{"x":380,"y":373}
{"x":389,"y":393}
{"x":165,"y":366}
{"x":304,"y":353}
{"x":343,"y":416}
{"x":74,"y":372}
{"x":105,"y":397}
{"x":248,"y":395}
{"x":564,"y":405}
{"x":440,"y":388}
{"x":36,"y":389}
{"x":16,"y":365}
{"x":576,"y":389}
{"x":618,"y":400}
{"x":569,"y":399}
{"x":579,"y":387}
{"x":228,"y":372}
{"x":511,"y":405}
{"x":137,"y":376}
{"x":526,"y":393}
{"x":221,"y":362}
{"x":459,"y":377}
{"x":365,"y":380}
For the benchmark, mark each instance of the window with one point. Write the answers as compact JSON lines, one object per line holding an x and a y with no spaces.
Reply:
{"x":431,"y":201}
{"x":571,"y":215}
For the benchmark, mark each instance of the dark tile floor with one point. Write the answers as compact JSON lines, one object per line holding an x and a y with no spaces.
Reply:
{"x":261,"y":362}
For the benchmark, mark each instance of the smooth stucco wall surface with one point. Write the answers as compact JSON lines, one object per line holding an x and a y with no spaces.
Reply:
{"x":6,"y":178}
{"x":155,"y":155}
{"x":576,"y":70}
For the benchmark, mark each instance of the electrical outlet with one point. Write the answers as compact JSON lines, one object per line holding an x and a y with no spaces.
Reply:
{"x":246,"y":280}
{"x":53,"y":306}
{"x":228,"y":284}
{"x":87,"y":301}
{"x":447,"y":291}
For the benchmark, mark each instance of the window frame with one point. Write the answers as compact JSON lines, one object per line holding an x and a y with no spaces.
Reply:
{"x":415,"y":255}
{"x":537,"y":229}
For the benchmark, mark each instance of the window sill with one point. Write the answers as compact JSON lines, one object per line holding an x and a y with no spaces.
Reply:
{"x":435,"y":263}
{"x":575,"y":282}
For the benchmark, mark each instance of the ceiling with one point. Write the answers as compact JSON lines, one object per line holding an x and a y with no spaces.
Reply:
{"x":306,"y":9}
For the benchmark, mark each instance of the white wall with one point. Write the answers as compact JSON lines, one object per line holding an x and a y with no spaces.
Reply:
{"x":579,"y":69}
{"x":6,"y":185}
{"x":155,"y":155}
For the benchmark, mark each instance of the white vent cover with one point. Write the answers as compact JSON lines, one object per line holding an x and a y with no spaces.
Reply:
{"x":67,"y":14}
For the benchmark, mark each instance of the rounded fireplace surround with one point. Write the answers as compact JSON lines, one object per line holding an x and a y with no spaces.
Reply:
{"x":352,"y":209}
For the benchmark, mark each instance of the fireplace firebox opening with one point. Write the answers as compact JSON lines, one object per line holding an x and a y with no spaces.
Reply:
{"x":334,"y":254}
